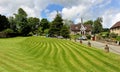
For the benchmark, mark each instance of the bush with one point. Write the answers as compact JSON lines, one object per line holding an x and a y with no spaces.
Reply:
{"x":8,"y":31}
{"x":104,"y":34}
{"x":118,"y":38}
{"x":88,"y":36}
{"x":113,"y":35}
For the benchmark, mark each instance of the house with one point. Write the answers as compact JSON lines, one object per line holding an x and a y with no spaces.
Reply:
{"x":80,"y":29}
{"x":115,"y":28}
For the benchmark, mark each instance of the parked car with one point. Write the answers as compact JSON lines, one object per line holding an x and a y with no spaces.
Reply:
{"x":60,"y":37}
{"x":82,"y":38}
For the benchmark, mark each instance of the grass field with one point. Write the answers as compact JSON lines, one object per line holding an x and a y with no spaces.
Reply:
{"x":39,"y":54}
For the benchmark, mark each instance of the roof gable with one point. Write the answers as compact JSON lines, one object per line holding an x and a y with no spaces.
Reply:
{"x":116,"y":25}
{"x":76,"y":27}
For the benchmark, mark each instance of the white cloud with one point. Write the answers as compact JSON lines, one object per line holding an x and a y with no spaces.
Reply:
{"x":116,"y":18}
{"x":33,"y":8}
{"x":110,"y":17}
{"x":72,"y":9}
{"x":104,"y":3}
{"x":73,"y":12}
{"x":51,"y":15}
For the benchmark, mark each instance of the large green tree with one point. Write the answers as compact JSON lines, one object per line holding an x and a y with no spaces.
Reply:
{"x":97,"y":28}
{"x":65,"y":32}
{"x":56,"y":26}
{"x":44,"y":23}
{"x":4,"y":23}
{"x":12,"y":23}
{"x":21,"y":22}
{"x":34,"y":23}
{"x":89,"y":22}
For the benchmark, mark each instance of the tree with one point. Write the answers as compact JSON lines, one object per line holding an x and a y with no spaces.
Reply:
{"x":39,"y":31}
{"x":4,"y":23}
{"x":89,"y":22}
{"x":106,"y":30}
{"x":12,"y":23}
{"x":44,"y":24}
{"x":56,"y":26}
{"x":65,"y":32}
{"x":98,"y":25}
{"x":21,"y":20}
{"x":34,"y":23}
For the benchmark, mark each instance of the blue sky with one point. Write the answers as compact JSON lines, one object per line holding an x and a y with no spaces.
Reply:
{"x":50,"y":8}
{"x":70,"y":9}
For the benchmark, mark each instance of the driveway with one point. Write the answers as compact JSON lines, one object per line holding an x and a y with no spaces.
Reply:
{"x":113,"y":48}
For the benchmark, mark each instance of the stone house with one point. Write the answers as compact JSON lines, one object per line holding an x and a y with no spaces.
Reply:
{"x":115,"y":28}
{"x":80,"y":29}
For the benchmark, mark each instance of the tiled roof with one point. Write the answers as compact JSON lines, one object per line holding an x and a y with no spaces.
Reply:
{"x":76,"y":27}
{"x":116,"y":25}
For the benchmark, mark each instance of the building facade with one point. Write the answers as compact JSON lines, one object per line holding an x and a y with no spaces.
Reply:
{"x":115,"y":28}
{"x":80,"y":29}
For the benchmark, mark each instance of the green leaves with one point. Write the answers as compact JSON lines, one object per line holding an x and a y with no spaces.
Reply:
{"x":98,"y":25}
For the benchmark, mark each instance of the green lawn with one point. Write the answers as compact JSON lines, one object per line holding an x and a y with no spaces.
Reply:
{"x":39,"y":54}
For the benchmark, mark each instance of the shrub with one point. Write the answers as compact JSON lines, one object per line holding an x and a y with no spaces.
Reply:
{"x":88,"y":36}
{"x":113,"y":35}
{"x":118,"y":38}
{"x":8,"y":31}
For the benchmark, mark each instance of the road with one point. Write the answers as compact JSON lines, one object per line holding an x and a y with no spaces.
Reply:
{"x":113,"y":48}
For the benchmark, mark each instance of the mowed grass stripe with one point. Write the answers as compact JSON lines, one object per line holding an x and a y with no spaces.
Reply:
{"x":30,"y":48}
{"x":65,"y":59}
{"x":35,"y":49}
{"x":107,"y":64}
{"x":11,"y":63}
{"x":15,"y":60}
{"x":81,"y":59}
{"x":72,"y":58}
{"x":41,"y":50}
{"x":104,"y":55}
{"x":87,"y":60}
{"x":58,"y":58}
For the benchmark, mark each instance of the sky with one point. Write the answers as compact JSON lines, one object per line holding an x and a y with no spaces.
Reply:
{"x":73,"y":10}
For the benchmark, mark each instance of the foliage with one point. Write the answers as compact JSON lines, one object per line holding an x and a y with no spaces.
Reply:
{"x":105,"y":34}
{"x":4,"y":23}
{"x":56,"y":26}
{"x":12,"y":23}
{"x":118,"y":38}
{"x":46,"y":31}
{"x":39,"y":31}
{"x":89,"y":22}
{"x":44,"y":23}
{"x":76,"y":36}
{"x":25,"y":30}
{"x":65,"y":32}
{"x":8,"y":31}
{"x":34,"y":23}
{"x":106,"y":30}
{"x":97,"y":27}
{"x":88,"y":36}
{"x":113,"y":35}
{"x":21,"y":20}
